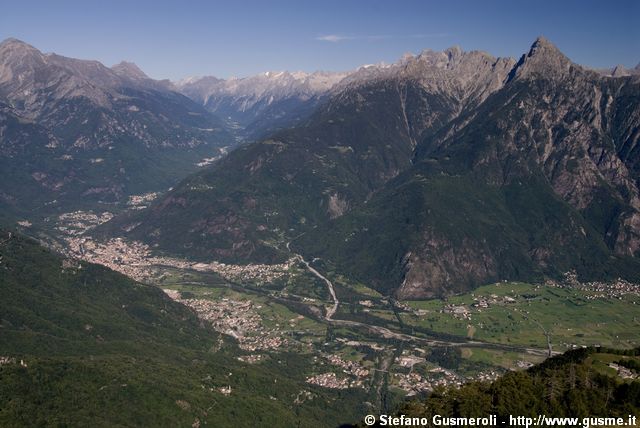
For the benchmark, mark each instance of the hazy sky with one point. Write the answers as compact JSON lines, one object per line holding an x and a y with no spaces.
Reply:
{"x":175,"y":39}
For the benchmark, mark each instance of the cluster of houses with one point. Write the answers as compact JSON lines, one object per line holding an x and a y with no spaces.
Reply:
{"x":330,"y":380}
{"x":238,"y":319}
{"x":600,"y":290}
{"x":348,"y":367}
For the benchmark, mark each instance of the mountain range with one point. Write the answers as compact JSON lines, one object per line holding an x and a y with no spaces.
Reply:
{"x":263,"y":103}
{"x":433,"y":175}
{"x":430,"y":176}
{"x":74,"y":133}
{"x":620,"y":71}
{"x":367,"y":190}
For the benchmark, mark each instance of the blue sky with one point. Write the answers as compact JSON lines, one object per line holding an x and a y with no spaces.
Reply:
{"x":174,"y":39}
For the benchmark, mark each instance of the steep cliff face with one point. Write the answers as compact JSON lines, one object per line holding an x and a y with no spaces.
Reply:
{"x":434,"y":175}
{"x":271,"y":101}
{"x":294,"y":180}
{"x":540,"y":178}
{"x":578,"y":130}
{"x":362,"y":137}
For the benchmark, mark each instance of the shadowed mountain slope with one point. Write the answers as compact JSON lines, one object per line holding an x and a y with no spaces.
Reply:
{"x":431,"y":176}
{"x":74,"y":133}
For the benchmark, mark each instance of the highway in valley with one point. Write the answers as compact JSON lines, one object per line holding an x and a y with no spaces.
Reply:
{"x":390,"y":334}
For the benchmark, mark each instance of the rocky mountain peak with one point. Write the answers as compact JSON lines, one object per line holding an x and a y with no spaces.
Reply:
{"x":28,"y":78}
{"x":543,"y":59}
{"x":406,"y":57}
{"x":19,"y":63}
{"x":619,"y":71}
{"x":454,"y":52}
{"x":542,"y":43}
{"x":543,"y":49}
{"x":129,"y":70}
{"x":14,"y":44}
{"x":16,"y":54}
{"x":466,"y":76}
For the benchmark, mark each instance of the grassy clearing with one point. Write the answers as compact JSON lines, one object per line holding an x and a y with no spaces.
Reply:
{"x":521,"y":313}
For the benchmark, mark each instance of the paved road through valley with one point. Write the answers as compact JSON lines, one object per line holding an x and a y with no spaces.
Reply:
{"x":390,"y":334}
